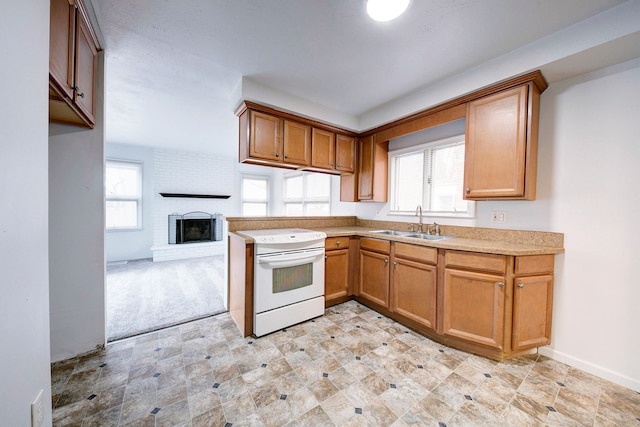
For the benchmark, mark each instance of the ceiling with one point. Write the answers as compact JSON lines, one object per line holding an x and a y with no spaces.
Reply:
{"x":175,"y":70}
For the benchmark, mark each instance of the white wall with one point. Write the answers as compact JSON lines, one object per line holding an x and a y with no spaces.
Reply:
{"x":24,"y":306}
{"x":588,"y":165}
{"x":123,"y":245}
{"x":590,"y":123}
{"x":189,"y":172}
{"x":76,"y":235}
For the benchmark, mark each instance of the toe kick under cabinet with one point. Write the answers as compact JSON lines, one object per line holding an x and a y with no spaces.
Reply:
{"x":498,"y":306}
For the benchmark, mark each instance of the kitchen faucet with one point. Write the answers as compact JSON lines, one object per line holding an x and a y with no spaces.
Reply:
{"x":419,"y":214}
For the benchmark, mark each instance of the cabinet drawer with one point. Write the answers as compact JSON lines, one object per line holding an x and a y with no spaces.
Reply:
{"x":376,"y":245}
{"x":331,"y":243}
{"x":534,"y":264}
{"x":415,"y":252}
{"x":476,"y":261}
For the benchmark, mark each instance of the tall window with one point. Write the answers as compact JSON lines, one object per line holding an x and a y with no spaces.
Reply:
{"x":307,"y":194}
{"x":123,"y":190}
{"x":430,"y":175}
{"x":255,"y":195}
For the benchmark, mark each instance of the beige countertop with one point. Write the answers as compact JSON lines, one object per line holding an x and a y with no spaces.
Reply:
{"x":456,"y":243}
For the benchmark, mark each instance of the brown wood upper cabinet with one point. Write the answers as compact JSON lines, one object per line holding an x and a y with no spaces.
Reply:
{"x":332,"y":151}
{"x":274,"y":138}
{"x":323,"y":149}
{"x":502,"y":145}
{"x":73,"y":49}
{"x":372,"y":170}
{"x":268,"y":138}
{"x":297,"y":143}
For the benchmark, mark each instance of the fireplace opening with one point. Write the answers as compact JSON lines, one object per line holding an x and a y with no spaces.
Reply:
{"x":194,"y":227}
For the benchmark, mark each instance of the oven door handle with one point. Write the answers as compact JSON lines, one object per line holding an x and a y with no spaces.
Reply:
{"x":289,"y":260}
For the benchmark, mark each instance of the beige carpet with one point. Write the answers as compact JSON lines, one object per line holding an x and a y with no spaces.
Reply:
{"x":143,"y":295}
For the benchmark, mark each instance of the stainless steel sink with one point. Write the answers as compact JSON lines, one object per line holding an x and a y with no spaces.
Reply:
{"x":395,"y":233}
{"x":431,"y":237}
{"x":412,"y":234}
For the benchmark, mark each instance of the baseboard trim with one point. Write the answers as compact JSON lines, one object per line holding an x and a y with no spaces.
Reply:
{"x":591,"y":368}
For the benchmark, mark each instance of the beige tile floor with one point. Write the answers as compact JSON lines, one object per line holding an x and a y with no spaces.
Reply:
{"x":350,"y":367}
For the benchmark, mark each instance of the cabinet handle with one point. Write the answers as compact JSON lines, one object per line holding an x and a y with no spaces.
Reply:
{"x":500,"y":284}
{"x":77,"y":89}
{"x":521,"y":285}
{"x":467,"y":190}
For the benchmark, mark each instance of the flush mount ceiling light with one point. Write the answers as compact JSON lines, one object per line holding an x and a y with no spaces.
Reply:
{"x":386,"y":10}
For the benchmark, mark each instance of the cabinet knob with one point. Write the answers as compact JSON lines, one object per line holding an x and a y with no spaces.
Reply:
{"x":395,"y":263}
{"x":277,"y":154}
{"x":338,"y":164}
{"x":521,"y":285}
{"x":467,"y":190}
{"x":338,"y":243}
{"x":325,"y":257}
{"x":331,"y":163}
{"x":77,"y":89}
{"x":500,"y":284}
{"x":386,"y":261}
{"x":286,"y":156}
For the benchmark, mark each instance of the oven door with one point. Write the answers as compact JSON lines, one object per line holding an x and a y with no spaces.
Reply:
{"x":288,"y":277}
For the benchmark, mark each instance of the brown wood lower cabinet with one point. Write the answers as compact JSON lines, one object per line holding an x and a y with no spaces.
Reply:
{"x":532,"y":305}
{"x":473,"y":307}
{"x":338,"y":269}
{"x":413,"y":287}
{"x":374,"y":277}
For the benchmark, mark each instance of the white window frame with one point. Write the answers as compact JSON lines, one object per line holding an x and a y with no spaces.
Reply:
{"x":244,"y":199}
{"x":138,"y":198}
{"x":305,"y":199}
{"x":426,"y":210}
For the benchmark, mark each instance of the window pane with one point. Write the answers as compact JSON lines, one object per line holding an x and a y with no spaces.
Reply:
{"x":254,"y":209}
{"x":318,"y":185}
{"x":293,"y":187}
{"x":122,"y":180}
{"x":317,"y":209}
{"x":447,"y":179}
{"x":121,"y":214}
{"x":254,"y":189}
{"x":293,"y":209}
{"x":409,"y":171}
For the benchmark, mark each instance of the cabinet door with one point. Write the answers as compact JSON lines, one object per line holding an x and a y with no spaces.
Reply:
{"x":374,"y":277}
{"x":414,"y":291}
{"x":265,"y":139}
{"x":336,"y":274}
{"x":345,"y":153}
{"x":496,"y":145}
{"x":323,"y":149}
{"x":85,"y":69}
{"x":474,"y":307}
{"x":365,"y":168}
{"x":532,"y":306}
{"x":297,"y":143}
{"x":61,"y":35}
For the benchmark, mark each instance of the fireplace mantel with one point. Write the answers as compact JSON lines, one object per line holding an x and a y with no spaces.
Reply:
{"x":196,"y":196}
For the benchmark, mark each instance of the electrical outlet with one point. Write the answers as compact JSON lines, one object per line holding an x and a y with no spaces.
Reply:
{"x":37,"y":410}
{"x":499,"y":217}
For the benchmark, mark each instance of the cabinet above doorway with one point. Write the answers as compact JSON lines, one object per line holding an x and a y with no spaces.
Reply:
{"x":73,"y":49}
